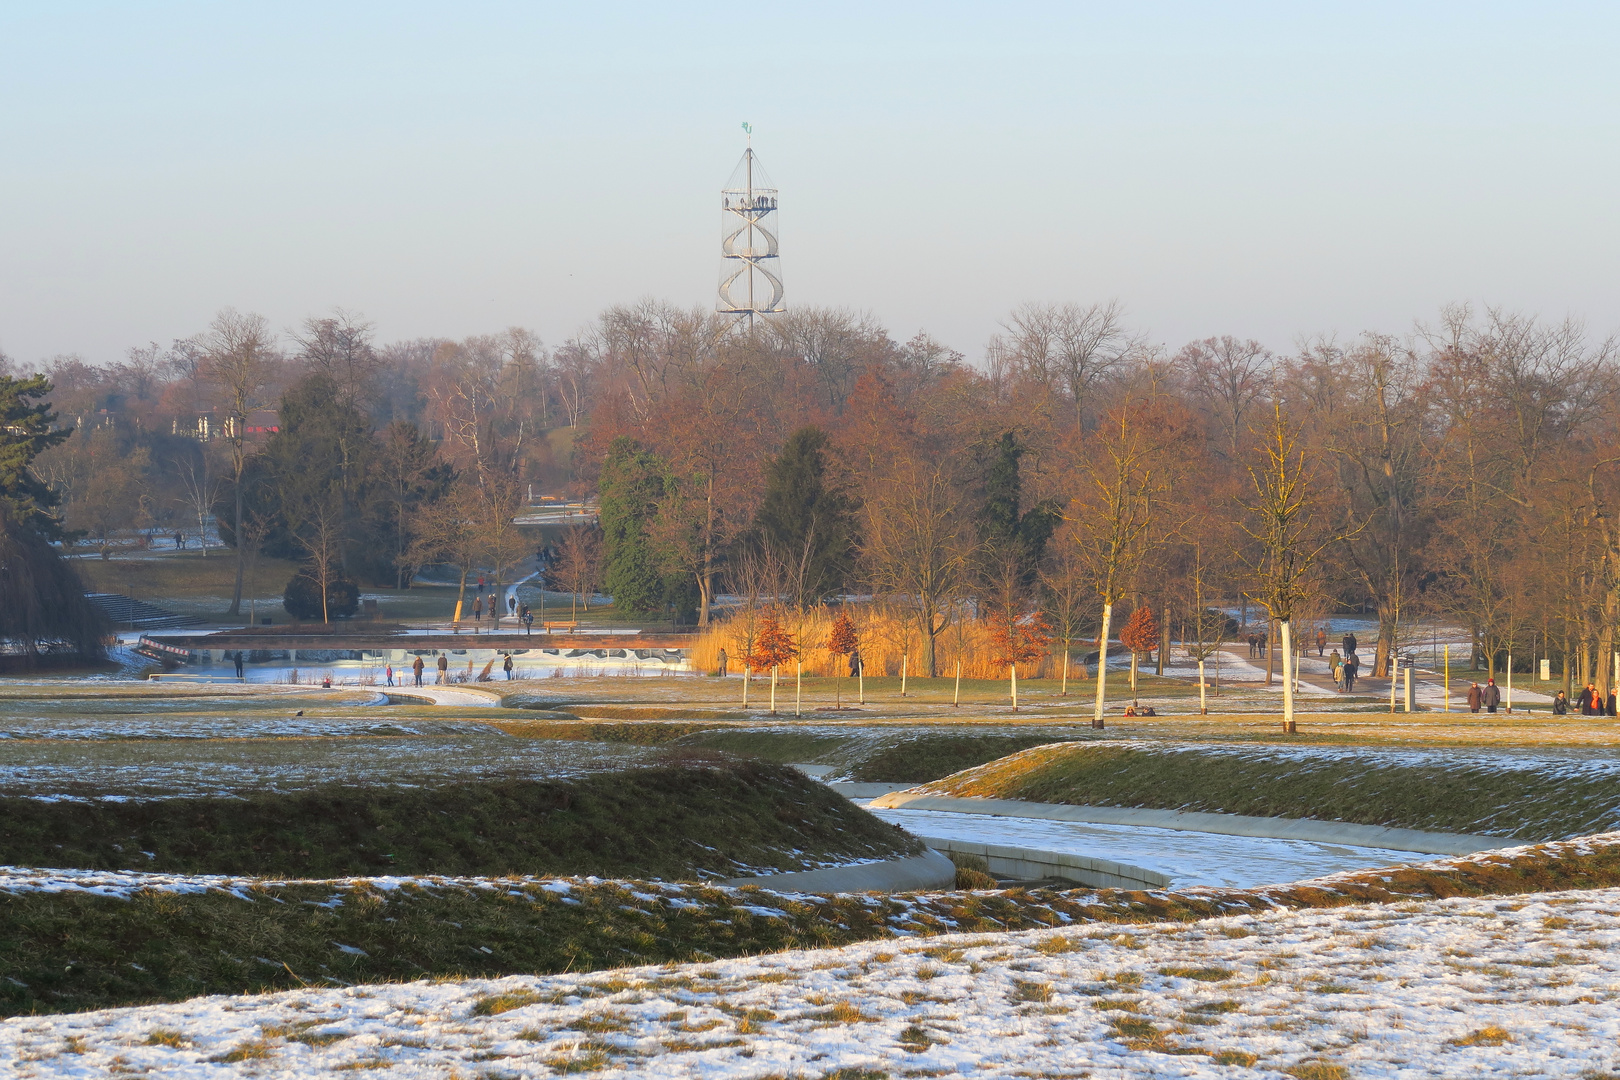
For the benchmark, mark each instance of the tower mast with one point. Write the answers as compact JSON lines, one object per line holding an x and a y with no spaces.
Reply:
{"x":748,"y":241}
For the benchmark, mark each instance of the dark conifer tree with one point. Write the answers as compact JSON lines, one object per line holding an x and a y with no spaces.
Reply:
{"x":634,"y":571}
{"x":806,"y":523}
{"x":42,"y":600}
{"x":1010,"y":535}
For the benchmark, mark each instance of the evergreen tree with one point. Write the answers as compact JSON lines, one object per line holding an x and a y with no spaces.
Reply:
{"x":634,"y":569}
{"x":27,"y":428}
{"x":1011,"y":536}
{"x":41,"y":597}
{"x":805,"y":524}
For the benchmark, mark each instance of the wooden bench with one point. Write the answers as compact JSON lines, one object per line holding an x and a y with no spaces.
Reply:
{"x":548,"y":627}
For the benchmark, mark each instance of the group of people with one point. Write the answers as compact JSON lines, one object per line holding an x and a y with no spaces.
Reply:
{"x":1589,"y":700}
{"x":443,"y":663}
{"x":494,"y":606}
{"x":1489,"y":695}
{"x":1344,"y":668}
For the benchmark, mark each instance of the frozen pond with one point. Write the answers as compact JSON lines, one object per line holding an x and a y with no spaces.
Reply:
{"x":1189,"y":858}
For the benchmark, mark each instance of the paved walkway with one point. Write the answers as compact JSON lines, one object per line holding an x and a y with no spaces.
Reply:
{"x":445,"y":695}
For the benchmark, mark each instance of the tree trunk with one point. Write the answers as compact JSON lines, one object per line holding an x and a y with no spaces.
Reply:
{"x":1386,"y":642}
{"x":1012,"y":673}
{"x":1203,"y":702}
{"x":1164,"y":642}
{"x":1134,"y":658}
{"x":1271,"y":649}
{"x":1102,"y":667}
{"x":1288,"y":680}
{"x":236,"y":595}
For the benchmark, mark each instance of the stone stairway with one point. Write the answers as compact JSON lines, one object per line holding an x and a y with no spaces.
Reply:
{"x":124,"y":612}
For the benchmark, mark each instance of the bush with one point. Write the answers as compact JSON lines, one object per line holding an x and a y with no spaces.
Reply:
{"x":302,"y":598}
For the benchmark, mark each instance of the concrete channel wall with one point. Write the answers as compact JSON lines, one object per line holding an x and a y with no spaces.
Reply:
{"x":1026,"y":864}
{"x":930,"y":870}
{"x":1322,"y":832}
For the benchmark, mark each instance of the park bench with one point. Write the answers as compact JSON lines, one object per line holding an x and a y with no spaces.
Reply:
{"x":548,"y":627}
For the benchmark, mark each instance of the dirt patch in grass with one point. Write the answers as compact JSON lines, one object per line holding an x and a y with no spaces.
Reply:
{"x":1434,"y":791}
{"x":68,"y":951}
{"x":684,"y":820}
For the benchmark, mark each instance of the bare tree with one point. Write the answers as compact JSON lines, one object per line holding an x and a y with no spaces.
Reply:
{"x":199,"y":485}
{"x":1282,"y":520}
{"x":239,"y":357}
{"x":339,"y":347}
{"x":1063,"y":347}
{"x":918,"y":544}
{"x":1233,"y":376}
{"x":1112,"y":518}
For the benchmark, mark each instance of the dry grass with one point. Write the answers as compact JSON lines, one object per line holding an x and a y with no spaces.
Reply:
{"x":888,"y":636}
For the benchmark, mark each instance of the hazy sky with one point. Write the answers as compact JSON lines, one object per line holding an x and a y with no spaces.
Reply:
{"x":1261,"y":169}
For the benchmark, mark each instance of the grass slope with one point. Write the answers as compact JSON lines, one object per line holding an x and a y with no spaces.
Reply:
{"x":69,"y":951}
{"x":683,"y":820}
{"x":1438,"y":792}
{"x":900,"y":756}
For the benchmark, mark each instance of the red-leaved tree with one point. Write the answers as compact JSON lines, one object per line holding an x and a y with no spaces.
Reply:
{"x":1018,"y":639}
{"x":844,"y":640}
{"x":1141,"y":635}
{"x":773,"y":647}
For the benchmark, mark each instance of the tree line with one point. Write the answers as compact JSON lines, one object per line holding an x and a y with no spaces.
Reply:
{"x":1462,"y":472}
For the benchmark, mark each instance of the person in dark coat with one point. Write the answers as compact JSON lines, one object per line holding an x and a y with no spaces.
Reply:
{"x":854,"y":663}
{"x":1492,"y":695}
{"x":1349,"y":644}
{"x":1321,"y":641}
{"x":417,"y":668}
{"x":1585,"y":699}
{"x":1351,"y":665}
{"x":1612,"y":703}
{"x":444,"y":669}
{"x":1476,"y":697}
{"x":1560,"y":704}
{"x":239,"y":663}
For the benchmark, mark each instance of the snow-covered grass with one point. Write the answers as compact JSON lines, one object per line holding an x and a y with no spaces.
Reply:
{"x":1527,"y":797}
{"x":198,"y":767}
{"x":1457,"y":987}
{"x":82,"y":941}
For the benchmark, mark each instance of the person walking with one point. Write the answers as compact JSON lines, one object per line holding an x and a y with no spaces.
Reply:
{"x":1265,"y":643}
{"x":478,"y":607}
{"x":1349,"y":644}
{"x":1335,"y":666}
{"x":1584,"y":699}
{"x":1476,"y":697}
{"x":1254,"y":644}
{"x":239,"y":665}
{"x":1321,"y":641}
{"x":1612,"y":703}
{"x":507,"y":667}
{"x":417,"y":668}
{"x":511,"y":604}
{"x":1560,"y":704}
{"x":388,"y":675}
{"x":1492,"y":697}
{"x":1351,"y":666}
{"x":724,"y":661}
{"x":444,"y":669}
